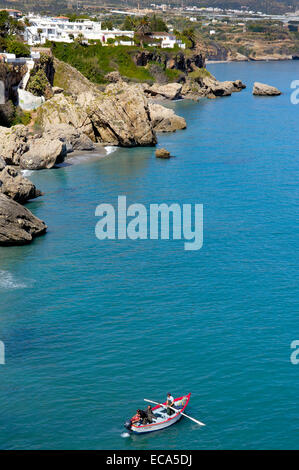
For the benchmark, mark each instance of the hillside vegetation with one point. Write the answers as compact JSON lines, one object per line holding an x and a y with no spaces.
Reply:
{"x":95,"y":61}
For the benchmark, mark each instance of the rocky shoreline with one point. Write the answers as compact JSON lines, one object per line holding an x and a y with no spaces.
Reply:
{"x":81,"y":119}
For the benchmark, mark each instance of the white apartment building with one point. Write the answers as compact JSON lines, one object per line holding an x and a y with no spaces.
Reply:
{"x":60,"y":29}
{"x":168,"y":40}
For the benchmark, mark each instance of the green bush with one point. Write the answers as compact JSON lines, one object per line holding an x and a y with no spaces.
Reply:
{"x":18,"y":48}
{"x":21,"y":117}
{"x":38,"y":83}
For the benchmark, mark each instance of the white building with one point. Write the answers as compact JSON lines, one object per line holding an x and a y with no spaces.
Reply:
{"x":167,"y":40}
{"x":13,"y":13}
{"x":60,"y":29}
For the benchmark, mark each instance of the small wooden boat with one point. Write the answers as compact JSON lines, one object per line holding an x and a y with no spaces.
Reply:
{"x":162,"y":420}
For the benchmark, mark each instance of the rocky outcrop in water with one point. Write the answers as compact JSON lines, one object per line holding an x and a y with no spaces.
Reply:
{"x":15,"y":186}
{"x":165,"y":119}
{"x":162,"y":153}
{"x":208,"y":86}
{"x":261,"y":89}
{"x":118,"y":116}
{"x":43,"y":153}
{"x":170,"y":91}
{"x":18,"y":225}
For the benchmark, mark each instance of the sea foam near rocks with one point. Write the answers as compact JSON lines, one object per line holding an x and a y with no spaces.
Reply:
{"x":110,"y":149}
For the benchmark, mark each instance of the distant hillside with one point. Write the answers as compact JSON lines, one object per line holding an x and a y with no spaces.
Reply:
{"x":58,"y":6}
{"x":266,"y":6}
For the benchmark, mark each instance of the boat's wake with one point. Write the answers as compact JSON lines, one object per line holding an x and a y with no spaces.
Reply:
{"x":125,"y":434}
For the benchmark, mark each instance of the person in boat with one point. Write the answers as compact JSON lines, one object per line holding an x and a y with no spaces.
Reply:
{"x":169,"y":402}
{"x":149,"y":415}
{"x":136,"y":418}
{"x":140,"y":417}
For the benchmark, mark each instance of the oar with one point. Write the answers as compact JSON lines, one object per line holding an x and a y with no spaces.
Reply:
{"x":177,"y":411}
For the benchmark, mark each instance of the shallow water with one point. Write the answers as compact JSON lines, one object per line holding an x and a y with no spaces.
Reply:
{"x":92,"y":327}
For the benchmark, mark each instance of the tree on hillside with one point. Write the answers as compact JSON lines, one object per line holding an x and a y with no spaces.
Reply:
{"x":80,"y":38}
{"x":39,"y":32}
{"x":16,"y":27}
{"x":4,"y":23}
{"x":190,"y":35}
{"x":107,"y":24}
{"x":129,"y":24}
{"x":18,"y":48}
{"x":143,"y":29}
{"x":157,"y":24}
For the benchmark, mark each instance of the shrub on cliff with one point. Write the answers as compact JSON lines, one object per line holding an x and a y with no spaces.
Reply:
{"x":38,"y":83}
{"x":18,"y":48}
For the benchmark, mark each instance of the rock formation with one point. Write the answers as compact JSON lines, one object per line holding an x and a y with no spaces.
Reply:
{"x":162,"y":153}
{"x":13,"y":143}
{"x":73,"y":138}
{"x":15,"y":186}
{"x":18,"y":225}
{"x":171,"y":91}
{"x":261,"y":89}
{"x":43,"y":153}
{"x":118,"y":116}
{"x":210,"y":87}
{"x":165,"y":120}
{"x":2,"y":163}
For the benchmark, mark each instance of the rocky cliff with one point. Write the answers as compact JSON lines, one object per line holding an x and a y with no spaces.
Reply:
{"x":81,"y":114}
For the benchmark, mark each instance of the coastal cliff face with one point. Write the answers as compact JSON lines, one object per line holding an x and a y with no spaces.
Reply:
{"x":173,"y":61}
{"x":11,"y":75}
{"x":118,"y":116}
{"x":80,"y":114}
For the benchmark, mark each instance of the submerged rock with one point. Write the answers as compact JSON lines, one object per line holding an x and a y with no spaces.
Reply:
{"x":43,"y":154}
{"x":15,"y":186}
{"x":162,"y":153}
{"x":261,"y":89}
{"x":18,"y":225}
{"x":165,"y":120}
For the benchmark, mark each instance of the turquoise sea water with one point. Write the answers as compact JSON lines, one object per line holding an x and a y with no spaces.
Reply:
{"x":92,"y":327}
